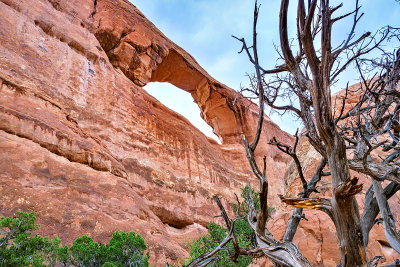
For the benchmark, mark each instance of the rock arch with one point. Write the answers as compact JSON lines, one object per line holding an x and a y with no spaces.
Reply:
{"x":144,"y":54}
{"x":181,"y":102}
{"x":176,"y":70}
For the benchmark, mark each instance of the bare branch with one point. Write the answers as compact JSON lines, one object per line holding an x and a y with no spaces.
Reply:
{"x":371,"y":208}
{"x":286,"y":50}
{"x":291,"y":152}
{"x":283,"y":253}
{"x":348,"y":188}
{"x":260,"y":86}
{"x":392,"y":235}
{"x":297,"y":213}
{"x":205,"y":258}
{"x":384,"y":171}
{"x":310,"y":203}
{"x":375,"y":261}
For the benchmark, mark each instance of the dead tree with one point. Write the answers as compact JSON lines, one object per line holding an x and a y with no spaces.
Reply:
{"x":373,"y":123}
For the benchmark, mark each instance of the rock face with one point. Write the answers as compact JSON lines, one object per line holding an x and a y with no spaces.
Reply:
{"x":87,"y":149}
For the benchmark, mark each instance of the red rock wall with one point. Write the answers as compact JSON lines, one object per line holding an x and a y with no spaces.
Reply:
{"x":83,"y":145}
{"x":87,"y":149}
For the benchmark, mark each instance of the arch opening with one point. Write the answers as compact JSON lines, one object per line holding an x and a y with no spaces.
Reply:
{"x":181,"y":102}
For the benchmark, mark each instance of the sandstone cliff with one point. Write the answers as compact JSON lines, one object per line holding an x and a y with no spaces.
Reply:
{"x":87,"y":149}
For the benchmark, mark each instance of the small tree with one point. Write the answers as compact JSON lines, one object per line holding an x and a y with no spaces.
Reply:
{"x":19,"y":248}
{"x":306,"y":78}
{"x":216,"y":234}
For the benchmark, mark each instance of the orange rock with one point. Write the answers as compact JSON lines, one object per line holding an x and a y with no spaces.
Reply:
{"x":87,"y":149}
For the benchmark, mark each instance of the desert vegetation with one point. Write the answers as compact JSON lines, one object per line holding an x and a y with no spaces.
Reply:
{"x":18,"y":247}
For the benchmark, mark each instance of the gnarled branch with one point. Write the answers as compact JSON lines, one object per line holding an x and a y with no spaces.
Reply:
{"x":310,"y":203}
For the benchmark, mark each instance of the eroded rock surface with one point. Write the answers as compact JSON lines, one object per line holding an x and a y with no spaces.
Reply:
{"x":86,"y":148}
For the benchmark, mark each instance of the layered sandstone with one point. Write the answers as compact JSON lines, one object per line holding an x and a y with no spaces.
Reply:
{"x":86,"y":148}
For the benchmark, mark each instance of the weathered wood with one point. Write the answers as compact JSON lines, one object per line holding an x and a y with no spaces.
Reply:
{"x":379,"y":169}
{"x":392,"y":235}
{"x":371,"y":208}
{"x":298,"y":212}
{"x":310,"y":203}
{"x":344,"y":209}
{"x":282,"y":253}
{"x":308,"y":77}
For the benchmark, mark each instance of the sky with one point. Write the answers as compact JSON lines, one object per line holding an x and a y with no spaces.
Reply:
{"x":204,"y":28}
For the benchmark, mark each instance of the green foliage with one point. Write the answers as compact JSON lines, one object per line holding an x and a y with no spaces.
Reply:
{"x":244,"y":206}
{"x":126,"y":249}
{"x":19,"y":248}
{"x":217,"y":233}
{"x":85,"y":252}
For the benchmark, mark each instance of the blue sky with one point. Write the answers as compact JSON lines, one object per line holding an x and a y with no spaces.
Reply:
{"x":204,"y":28}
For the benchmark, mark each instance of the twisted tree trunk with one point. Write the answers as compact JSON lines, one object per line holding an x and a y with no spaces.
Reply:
{"x":345,"y":211}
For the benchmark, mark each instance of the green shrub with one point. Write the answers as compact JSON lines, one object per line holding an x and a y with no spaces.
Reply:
{"x":126,"y":249}
{"x":19,"y":248}
{"x":216,"y":233}
{"x":17,"y":245}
